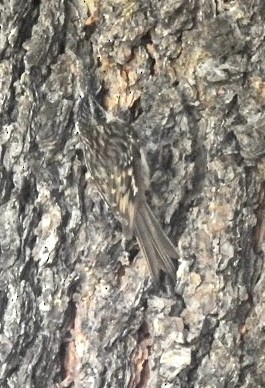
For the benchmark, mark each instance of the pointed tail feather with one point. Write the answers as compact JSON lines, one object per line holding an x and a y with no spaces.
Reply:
{"x":157,"y":248}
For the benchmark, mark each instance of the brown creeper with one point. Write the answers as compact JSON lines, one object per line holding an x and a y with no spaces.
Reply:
{"x":113,"y":157}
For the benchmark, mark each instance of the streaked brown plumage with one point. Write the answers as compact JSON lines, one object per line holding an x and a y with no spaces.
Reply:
{"x":113,"y":156}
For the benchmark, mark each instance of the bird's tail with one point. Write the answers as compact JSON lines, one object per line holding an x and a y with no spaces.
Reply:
{"x":156,"y":247}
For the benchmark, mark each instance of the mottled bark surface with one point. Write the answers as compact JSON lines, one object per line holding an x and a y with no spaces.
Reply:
{"x":75,"y":309}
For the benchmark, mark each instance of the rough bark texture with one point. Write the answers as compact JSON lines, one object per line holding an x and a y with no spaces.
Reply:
{"x":75,"y":310}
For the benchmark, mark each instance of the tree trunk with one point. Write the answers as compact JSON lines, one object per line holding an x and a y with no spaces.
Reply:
{"x":76,"y":309}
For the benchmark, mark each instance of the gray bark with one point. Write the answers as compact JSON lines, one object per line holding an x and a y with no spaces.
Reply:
{"x":75,"y":309}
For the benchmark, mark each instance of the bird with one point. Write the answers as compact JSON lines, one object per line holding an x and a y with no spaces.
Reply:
{"x":116,"y":162}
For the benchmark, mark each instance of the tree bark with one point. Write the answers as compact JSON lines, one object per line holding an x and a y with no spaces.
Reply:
{"x":77,"y":309}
